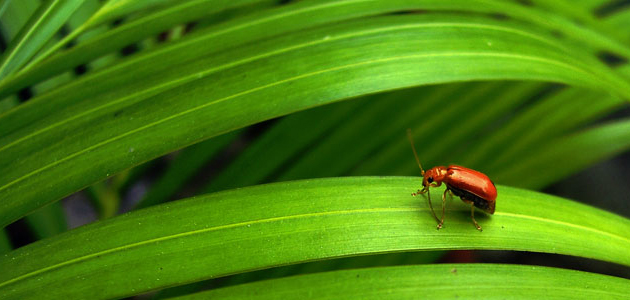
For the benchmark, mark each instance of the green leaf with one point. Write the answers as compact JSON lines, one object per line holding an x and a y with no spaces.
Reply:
{"x":152,"y":24}
{"x":113,"y":9}
{"x":344,"y":263}
{"x":277,"y":22}
{"x":581,"y":14}
{"x":182,"y":168}
{"x":14,"y":16}
{"x":76,"y":25}
{"x":545,"y":120}
{"x":8,"y":103}
{"x":463,"y":113}
{"x":47,"y":221}
{"x":226,"y":91}
{"x":44,"y":23}
{"x":105,"y":198}
{"x":359,"y":135}
{"x":621,"y":19}
{"x":286,"y":141}
{"x":285,"y":223}
{"x":521,"y":139}
{"x":443,"y":281}
{"x":585,"y":148}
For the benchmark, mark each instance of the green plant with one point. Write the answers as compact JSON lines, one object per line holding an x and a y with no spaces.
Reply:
{"x":506,"y":87}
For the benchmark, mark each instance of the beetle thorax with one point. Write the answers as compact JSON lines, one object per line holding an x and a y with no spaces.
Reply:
{"x":434,"y":175}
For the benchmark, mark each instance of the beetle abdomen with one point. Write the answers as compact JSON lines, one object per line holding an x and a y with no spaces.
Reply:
{"x":476,"y":200}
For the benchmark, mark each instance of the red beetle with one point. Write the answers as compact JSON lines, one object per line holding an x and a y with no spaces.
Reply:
{"x":473,"y":187}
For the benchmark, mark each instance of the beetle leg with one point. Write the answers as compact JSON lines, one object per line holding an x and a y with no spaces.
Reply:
{"x":443,"y":205}
{"x":426,"y":190}
{"x":472,"y":215}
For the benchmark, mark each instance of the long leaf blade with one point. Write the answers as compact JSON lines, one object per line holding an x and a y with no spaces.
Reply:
{"x":284,"y":223}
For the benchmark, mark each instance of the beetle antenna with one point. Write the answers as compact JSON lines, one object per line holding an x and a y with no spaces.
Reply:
{"x":415,"y":154}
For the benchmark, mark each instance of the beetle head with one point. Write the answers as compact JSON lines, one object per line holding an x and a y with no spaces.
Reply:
{"x":434,"y":176}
